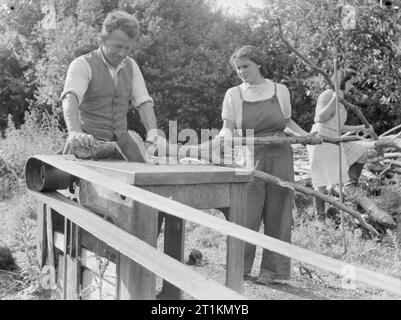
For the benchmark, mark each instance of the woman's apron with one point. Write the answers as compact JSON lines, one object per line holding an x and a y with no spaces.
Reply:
{"x":324,"y":158}
{"x":266,"y":201}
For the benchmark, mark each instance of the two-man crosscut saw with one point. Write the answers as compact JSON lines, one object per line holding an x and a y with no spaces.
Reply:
{"x":41,"y":172}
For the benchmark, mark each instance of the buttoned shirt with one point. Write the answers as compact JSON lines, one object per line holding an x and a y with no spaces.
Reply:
{"x":79,"y":76}
{"x":232,"y":104}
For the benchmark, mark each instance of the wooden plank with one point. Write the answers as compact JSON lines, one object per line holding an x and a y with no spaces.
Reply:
{"x":147,"y":174}
{"x":71,"y":289}
{"x":65,"y":264}
{"x":96,"y":288}
{"x":135,"y":281}
{"x":49,"y":236}
{"x":103,"y":201}
{"x":201,"y":196}
{"x":91,"y":260}
{"x":41,"y":241}
{"x":187,"y":213}
{"x":204,"y":196}
{"x":198,"y":286}
{"x":72,"y":264}
{"x":150,"y":199}
{"x":134,"y":218}
{"x":88,"y":244}
{"x":77,"y":257}
{"x":60,"y":272}
{"x":174,"y":246}
{"x":235,"y":247}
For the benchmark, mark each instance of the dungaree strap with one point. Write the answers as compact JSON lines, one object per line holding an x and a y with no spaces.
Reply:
{"x":275,"y":90}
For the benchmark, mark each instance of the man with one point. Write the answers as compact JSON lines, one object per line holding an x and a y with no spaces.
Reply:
{"x":102,"y":85}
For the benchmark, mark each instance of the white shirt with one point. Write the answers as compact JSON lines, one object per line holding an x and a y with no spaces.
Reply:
{"x":80,"y":74}
{"x":232,"y":104}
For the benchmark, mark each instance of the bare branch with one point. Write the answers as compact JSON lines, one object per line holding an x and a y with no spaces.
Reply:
{"x":293,"y":186}
{"x":326,"y":77}
{"x":310,"y":140}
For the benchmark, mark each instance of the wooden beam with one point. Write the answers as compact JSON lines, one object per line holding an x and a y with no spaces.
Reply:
{"x":190,"y":214}
{"x":174,"y":246}
{"x":198,"y":286}
{"x":49,"y":236}
{"x":41,"y":242}
{"x":89,"y":259}
{"x":293,"y":186}
{"x":236,"y":247}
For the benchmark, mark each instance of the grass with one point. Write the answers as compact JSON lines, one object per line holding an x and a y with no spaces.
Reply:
{"x":383,"y":256}
{"x":40,"y":134}
{"x":18,"y":227}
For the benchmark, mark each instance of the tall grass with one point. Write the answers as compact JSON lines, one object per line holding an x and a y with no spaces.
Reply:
{"x":40,"y":134}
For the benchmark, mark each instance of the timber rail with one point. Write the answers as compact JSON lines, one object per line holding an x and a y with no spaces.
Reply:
{"x":68,"y":169}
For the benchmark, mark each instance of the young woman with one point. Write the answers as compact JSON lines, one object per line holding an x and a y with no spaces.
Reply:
{"x":263,"y":106}
{"x":324,"y":158}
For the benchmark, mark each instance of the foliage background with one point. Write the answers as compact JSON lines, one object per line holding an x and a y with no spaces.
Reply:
{"x":183,"y":52}
{"x":184,"y":48}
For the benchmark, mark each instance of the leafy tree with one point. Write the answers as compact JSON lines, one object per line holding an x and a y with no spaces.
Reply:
{"x":184,"y":53}
{"x":184,"y":48}
{"x":17,"y":83}
{"x":313,"y":27}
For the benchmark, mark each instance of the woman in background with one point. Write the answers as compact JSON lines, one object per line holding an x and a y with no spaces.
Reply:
{"x":324,"y":158}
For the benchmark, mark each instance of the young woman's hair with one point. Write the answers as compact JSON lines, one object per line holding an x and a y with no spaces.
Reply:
{"x":344,"y":76}
{"x":347,"y":74}
{"x":252,"y":53}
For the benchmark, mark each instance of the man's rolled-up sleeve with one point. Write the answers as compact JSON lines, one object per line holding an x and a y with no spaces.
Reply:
{"x":139,"y":91}
{"x":78,"y":77}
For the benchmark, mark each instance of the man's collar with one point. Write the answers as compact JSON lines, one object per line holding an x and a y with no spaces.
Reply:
{"x":108,"y":65}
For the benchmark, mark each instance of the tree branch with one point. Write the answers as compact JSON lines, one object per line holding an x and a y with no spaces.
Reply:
{"x":326,"y":77}
{"x":288,"y":140}
{"x":293,"y":186}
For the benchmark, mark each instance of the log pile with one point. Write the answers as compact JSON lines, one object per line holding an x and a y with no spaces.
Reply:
{"x":371,"y":197}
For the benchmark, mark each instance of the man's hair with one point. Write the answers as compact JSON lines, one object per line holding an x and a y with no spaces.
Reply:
{"x":252,"y":53}
{"x":123,"y":21}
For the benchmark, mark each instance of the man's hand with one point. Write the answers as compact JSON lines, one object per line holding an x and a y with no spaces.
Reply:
{"x":368,"y":131}
{"x":84,"y":140}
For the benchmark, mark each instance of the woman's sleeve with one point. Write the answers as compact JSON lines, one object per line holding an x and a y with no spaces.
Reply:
{"x":285,"y":103}
{"x":228,"y":112}
{"x":323,"y":100}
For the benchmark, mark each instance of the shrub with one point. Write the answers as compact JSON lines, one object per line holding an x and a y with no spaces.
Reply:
{"x":40,"y":134}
